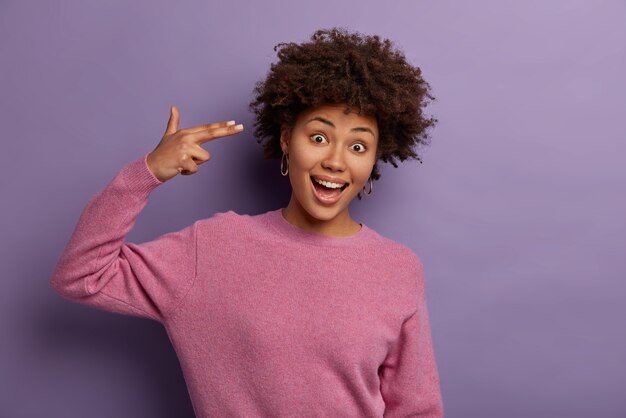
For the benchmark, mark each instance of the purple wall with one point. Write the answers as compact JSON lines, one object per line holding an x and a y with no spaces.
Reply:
{"x":517,"y":211}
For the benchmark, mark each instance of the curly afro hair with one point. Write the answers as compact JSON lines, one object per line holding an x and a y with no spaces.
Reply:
{"x":366,"y":73}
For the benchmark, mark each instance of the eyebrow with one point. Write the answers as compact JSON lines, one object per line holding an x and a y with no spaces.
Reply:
{"x":329,"y":123}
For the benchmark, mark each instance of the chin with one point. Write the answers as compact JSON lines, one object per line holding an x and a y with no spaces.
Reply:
{"x":324,"y":214}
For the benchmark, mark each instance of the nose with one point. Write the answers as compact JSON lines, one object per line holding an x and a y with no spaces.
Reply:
{"x":334,"y":159}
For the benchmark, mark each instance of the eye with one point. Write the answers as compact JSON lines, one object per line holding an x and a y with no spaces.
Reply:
{"x":360,"y":148}
{"x":319,"y":138}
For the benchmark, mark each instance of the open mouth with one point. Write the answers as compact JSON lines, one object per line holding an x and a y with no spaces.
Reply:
{"x":328,"y":194}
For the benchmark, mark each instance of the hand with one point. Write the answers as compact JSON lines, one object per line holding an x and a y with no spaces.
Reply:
{"x":179,"y":150}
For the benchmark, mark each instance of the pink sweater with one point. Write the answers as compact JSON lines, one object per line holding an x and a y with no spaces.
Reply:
{"x":267,"y":319}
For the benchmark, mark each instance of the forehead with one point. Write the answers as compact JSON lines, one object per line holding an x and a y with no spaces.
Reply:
{"x":338,"y":114}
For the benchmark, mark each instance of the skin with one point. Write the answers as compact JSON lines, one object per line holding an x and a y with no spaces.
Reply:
{"x":179,"y":151}
{"x":314,"y":147}
{"x":323,"y":141}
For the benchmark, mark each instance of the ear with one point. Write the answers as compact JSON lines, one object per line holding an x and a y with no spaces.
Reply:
{"x":284,"y":139}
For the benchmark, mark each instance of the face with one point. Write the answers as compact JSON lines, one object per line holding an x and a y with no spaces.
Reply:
{"x":329,"y":145}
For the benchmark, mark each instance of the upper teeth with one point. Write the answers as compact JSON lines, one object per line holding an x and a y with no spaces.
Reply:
{"x":328,"y":183}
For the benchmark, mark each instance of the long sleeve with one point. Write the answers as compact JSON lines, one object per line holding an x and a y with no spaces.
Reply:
{"x":99,"y":269}
{"x":409,"y":376}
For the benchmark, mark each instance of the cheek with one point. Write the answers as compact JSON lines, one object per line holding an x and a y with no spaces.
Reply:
{"x":302,"y":159}
{"x":362,"y":168}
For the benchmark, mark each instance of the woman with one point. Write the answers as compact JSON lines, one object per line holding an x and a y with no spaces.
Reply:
{"x":300,"y":311}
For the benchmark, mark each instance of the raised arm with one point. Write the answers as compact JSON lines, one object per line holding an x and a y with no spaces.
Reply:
{"x":98,"y":268}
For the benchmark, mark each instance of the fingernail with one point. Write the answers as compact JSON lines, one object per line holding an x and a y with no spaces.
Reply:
{"x":239,"y":127}
{"x":230,"y":123}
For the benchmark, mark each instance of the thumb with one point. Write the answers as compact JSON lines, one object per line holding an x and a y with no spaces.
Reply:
{"x":172,"y":124}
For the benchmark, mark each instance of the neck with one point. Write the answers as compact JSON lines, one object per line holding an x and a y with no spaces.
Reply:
{"x":341,"y":225}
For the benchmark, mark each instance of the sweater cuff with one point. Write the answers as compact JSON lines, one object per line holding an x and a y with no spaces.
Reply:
{"x":138,"y":177}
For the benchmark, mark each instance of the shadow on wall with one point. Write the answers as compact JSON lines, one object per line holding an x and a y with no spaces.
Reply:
{"x":255,"y":185}
{"x":122,"y":340}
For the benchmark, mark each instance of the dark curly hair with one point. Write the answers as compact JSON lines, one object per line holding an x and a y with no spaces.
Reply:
{"x":337,"y":67}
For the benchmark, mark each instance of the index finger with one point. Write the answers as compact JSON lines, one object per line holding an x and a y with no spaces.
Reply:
{"x":210,"y":134}
{"x":199,"y":128}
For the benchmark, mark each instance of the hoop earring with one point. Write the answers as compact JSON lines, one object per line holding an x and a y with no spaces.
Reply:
{"x":282,"y":171}
{"x":371,"y":188}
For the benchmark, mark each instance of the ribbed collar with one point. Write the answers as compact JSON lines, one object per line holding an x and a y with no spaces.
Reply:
{"x":276,"y":220}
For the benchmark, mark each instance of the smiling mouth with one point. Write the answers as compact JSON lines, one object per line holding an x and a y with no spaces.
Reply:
{"x":320,"y":186}
{"x":327,"y":196}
